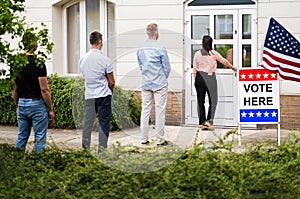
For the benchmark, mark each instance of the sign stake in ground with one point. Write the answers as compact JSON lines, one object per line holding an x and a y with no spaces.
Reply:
{"x":259,"y":98}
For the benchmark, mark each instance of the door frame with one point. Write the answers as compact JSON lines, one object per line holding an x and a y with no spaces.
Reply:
{"x":237,"y":11}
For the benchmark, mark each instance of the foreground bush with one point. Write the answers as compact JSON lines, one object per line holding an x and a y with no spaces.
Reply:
{"x":260,"y":172}
{"x":68,"y":102}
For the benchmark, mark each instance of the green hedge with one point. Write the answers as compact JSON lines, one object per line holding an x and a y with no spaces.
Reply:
{"x":264,"y":171}
{"x":68,"y":102}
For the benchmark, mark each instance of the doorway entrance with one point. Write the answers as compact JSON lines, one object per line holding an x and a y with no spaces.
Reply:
{"x":233,"y":29}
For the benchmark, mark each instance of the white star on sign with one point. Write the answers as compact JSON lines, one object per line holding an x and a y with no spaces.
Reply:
{"x":258,"y":114}
{"x":266,"y":75}
{"x":266,"y":114}
{"x":273,"y":75}
{"x":243,"y":76}
{"x":258,"y":76}
{"x":244,"y":114}
{"x":274,"y":114}
{"x":250,"y":76}
{"x":251,"y":114}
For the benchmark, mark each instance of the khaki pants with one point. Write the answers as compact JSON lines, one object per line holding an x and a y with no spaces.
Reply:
{"x":160,"y":98}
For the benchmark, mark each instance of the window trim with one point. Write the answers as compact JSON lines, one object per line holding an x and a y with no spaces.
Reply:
{"x":83,"y":34}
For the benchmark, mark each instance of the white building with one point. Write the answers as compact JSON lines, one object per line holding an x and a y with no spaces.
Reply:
{"x":234,"y":24}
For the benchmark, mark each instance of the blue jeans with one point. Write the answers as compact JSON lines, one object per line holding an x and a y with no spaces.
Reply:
{"x":32,"y":113}
{"x":101,"y":107}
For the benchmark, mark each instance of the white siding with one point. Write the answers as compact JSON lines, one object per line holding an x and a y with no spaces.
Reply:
{"x":38,"y":12}
{"x":286,"y":12}
{"x":132,"y":17}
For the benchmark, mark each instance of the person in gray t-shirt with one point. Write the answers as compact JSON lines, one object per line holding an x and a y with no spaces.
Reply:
{"x":97,"y":71}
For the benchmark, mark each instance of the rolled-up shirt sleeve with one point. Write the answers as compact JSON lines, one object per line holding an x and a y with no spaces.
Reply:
{"x":109,"y":68}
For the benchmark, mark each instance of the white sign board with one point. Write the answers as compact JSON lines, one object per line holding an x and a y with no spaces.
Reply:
{"x":259,"y":98}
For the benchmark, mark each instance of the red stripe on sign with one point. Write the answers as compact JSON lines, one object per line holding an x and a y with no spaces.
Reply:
{"x":257,"y":75}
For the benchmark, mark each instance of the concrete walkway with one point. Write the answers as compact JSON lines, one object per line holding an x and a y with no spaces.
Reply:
{"x":182,"y":136}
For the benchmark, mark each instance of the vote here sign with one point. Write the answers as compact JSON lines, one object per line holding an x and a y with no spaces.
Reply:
{"x":258,"y":96}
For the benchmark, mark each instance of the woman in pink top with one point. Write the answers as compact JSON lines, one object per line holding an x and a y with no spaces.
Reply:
{"x":205,"y":65}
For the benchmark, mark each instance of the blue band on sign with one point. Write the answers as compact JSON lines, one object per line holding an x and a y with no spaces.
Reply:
{"x":259,"y":115}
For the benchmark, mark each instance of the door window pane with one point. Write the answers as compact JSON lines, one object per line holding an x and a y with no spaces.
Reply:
{"x":223,"y":26}
{"x":92,"y":18}
{"x":194,"y":48}
{"x":246,"y":26}
{"x":73,"y":38}
{"x":200,"y":26}
{"x":226,"y":51}
{"x":246,"y":56}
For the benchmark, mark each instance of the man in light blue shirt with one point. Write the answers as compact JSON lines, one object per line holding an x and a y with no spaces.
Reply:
{"x":155,"y":67}
{"x":97,"y":71}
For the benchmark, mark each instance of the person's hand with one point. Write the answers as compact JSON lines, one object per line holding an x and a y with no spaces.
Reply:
{"x":111,"y":87}
{"x":51,"y":115}
{"x":234,"y":68}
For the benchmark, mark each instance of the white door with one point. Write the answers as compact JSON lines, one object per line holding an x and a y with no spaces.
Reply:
{"x":232,"y":31}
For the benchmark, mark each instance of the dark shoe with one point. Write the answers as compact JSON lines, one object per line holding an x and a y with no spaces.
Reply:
{"x":147,"y":142}
{"x":165,"y":143}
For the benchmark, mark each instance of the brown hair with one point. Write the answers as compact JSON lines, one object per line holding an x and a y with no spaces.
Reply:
{"x":29,"y":41}
{"x":152,"y":29}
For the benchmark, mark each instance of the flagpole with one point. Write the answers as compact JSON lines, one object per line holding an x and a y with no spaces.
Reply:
{"x":278,"y":124}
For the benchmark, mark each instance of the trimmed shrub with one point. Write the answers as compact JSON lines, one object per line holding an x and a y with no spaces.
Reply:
{"x":68,"y":103}
{"x":263,"y":171}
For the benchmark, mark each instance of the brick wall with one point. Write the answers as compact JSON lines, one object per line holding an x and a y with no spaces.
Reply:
{"x":290,"y":112}
{"x":174,"y":109}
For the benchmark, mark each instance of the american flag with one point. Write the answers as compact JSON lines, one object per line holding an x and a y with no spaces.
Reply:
{"x":281,"y":52}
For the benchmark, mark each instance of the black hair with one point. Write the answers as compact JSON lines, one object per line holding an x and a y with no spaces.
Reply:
{"x":206,"y":44}
{"x":95,"y":37}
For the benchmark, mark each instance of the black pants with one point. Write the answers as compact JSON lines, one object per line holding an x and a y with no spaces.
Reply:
{"x":206,"y":83}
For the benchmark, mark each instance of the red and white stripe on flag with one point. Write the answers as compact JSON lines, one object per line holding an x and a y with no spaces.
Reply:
{"x":287,"y":67}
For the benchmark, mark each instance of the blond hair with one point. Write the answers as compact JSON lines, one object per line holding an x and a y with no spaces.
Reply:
{"x":152,"y":30}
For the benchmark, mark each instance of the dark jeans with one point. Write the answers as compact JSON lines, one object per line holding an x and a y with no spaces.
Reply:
{"x":206,"y":83}
{"x":102,"y":108}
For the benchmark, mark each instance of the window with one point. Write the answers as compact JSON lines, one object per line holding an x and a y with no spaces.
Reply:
{"x":73,"y":37}
{"x":82,"y":18}
{"x":223,"y":26}
{"x":200,"y":26}
{"x":92,"y":18}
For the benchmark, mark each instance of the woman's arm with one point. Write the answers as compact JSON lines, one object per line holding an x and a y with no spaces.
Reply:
{"x":222,"y":60}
